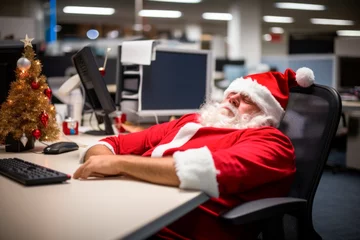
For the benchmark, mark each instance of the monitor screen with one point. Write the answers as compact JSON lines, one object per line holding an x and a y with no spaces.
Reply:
{"x":220,"y":63}
{"x":95,"y":87}
{"x":176,"y":83}
{"x":10,"y":52}
{"x":348,"y":76}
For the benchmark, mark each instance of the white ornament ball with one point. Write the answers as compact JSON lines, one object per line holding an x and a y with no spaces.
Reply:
{"x":23,"y":64}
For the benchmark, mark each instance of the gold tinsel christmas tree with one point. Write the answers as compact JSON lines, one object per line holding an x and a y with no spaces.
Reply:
{"x":28,"y":113}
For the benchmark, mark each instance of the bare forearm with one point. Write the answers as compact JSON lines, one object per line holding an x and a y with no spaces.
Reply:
{"x":155,"y":170}
{"x":100,"y":161}
{"x":97,"y":150}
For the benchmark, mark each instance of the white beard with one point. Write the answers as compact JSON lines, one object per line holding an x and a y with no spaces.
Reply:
{"x":211,"y":116}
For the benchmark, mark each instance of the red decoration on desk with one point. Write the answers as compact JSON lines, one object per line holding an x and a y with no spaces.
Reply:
{"x":70,"y":127}
{"x":118,"y":120}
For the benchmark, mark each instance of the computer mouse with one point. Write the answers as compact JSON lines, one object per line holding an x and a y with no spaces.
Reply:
{"x":60,"y":147}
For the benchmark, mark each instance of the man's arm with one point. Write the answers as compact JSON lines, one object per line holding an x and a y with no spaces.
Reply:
{"x":97,"y":150}
{"x":155,"y":170}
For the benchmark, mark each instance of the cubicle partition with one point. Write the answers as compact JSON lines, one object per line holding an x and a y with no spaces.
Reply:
{"x":323,"y":65}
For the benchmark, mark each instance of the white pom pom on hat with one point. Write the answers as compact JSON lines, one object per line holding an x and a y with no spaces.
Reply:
{"x":305,"y":77}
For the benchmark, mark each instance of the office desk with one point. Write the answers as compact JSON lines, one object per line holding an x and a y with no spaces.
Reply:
{"x":111,"y":208}
{"x":350,"y":106}
{"x":352,"y":109}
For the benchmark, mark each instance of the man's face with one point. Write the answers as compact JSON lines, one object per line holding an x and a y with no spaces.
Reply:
{"x":238,"y":104}
{"x":235,"y":111}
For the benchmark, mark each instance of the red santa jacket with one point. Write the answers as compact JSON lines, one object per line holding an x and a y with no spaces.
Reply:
{"x":230,"y":165}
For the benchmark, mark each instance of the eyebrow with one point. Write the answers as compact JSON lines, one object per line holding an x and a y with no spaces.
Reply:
{"x":244,"y":95}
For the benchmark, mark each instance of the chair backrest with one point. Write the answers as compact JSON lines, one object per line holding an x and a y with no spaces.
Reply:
{"x":311,"y":120}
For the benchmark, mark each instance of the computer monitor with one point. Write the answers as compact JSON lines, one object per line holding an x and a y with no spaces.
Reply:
{"x":232,"y":72}
{"x":347,"y":72}
{"x":95,"y":88}
{"x":10,"y":52}
{"x":177,"y":82}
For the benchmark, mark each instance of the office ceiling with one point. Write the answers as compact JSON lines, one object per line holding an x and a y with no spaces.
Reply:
{"x":125,"y":14}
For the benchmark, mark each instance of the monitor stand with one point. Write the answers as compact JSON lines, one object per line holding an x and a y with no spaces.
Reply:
{"x":108,"y":128}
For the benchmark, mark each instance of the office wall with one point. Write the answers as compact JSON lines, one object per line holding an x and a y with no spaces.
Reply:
{"x":277,"y":48}
{"x":347,"y":47}
{"x":18,"y":26}
{"x":218,"y":46}
{"x":26,"y":10}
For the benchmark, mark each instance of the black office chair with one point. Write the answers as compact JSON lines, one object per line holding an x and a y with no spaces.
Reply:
{"x":311,"y":121}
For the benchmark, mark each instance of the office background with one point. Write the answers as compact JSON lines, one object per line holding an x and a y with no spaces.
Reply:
{"x":245,"y":42}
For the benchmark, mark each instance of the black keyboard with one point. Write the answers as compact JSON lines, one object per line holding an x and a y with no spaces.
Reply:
{"x":29,"y":173}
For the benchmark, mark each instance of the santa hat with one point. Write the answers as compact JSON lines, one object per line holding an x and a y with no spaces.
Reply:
{"x":270,"y":90}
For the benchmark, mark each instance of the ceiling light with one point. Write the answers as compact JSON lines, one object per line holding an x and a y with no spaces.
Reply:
{"x":160,"y":13}
{"x":325,"y":21}
{"x":349,"y":33}
{"x":277,"y":30}
{"x":92,"y":34}
{"x":278,"y":19}
{"x":89,"y":10}
{"x":177,"y":1}
{"x":217,"y":16}
{"x":57,"y":28}
{"x":300,"y":6}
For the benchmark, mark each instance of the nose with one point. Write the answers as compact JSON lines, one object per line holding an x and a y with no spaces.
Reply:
{"x":234,"y":100}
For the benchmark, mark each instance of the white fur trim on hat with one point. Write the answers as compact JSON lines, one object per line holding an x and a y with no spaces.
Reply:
{"x":305,"y":77}
{"x":196,"y":170}
{"x":260,"y":95}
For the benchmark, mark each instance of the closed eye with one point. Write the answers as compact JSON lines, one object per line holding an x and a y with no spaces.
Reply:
{"x":247,"y":100}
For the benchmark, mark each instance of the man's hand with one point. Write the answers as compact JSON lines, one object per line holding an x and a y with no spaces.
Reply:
{"x":99,"y":166}
{"x":155,"y":170}
{"x":130,"y":127}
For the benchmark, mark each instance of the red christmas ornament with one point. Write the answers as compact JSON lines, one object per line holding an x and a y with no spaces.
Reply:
{"x":44,"y":117}
{"x":36,"y":133}
{"x":35,"y":85}
{"x":48,"y":92}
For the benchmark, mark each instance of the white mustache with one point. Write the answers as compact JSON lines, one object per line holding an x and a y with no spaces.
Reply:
{"x":231,"y":107}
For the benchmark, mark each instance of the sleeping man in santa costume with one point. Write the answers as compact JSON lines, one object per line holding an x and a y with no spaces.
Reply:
{"x":231,"y":150}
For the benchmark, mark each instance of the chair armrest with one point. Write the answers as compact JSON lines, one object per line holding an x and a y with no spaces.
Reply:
{"x":263,"y":209}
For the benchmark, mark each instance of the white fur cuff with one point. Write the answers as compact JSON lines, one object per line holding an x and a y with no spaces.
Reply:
{"x":83,"y":151}
{"x":196,"y":170}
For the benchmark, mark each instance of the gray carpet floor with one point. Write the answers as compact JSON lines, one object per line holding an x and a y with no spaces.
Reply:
{"x":336,"y":209}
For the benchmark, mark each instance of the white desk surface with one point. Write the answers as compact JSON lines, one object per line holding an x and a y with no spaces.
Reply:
{"x":349,"y":106}
{"x":111,"y":208}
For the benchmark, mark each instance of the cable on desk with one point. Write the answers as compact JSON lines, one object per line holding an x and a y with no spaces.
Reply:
{"x":91,"y":116}
{"x":44,"y":143}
